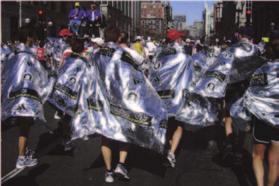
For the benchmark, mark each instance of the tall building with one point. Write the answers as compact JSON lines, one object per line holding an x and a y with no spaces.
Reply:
{"x":123,"y":14}
{"x":265,"y":18}
{"x":179,"y":22}
{"x":217,"y":14}
{"x":208,"y":18}
{"x":155,"y":16}
{"x":196,"y":31}
{"x":14,"y":13}
{"x":230,"y":15}
{"x":243,"y":11}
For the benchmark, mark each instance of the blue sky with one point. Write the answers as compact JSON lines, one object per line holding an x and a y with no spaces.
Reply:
{"x":192,"y":9}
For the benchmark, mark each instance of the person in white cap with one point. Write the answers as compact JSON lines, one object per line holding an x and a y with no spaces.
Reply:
{"x":97,"y":43}
{"x":151,"y":48}
{"x":137,"y":46}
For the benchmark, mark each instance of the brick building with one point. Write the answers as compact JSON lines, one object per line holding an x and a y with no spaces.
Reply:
{"x":155,"y":16}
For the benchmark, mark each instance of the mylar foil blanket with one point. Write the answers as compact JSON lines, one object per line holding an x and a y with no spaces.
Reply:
{"x":262,"y":96}
{"x":5,"y":52}
{"x":55,"y":48}
{"x":170,"y":76}
{"x":240,"y":115}
{"x":124,"y":105}
{"x":83,"y":123}
{"x":25,"y":85}
{"x":197,"y":110}
{"x":235,"y":64}
{"x":70,"y":80}
{"x":200,"y":63}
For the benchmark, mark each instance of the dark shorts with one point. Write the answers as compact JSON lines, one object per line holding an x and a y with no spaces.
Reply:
{"x":174,"y":122}
{"x":172,"y":126}
{"x":24,"y":124}
{"x":263,"y":132}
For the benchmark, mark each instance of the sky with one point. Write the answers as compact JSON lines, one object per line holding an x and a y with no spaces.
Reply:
{"x":192,"y":9}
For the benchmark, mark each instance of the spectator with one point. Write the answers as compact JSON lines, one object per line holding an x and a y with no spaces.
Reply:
{"x":94,"y":18}
{"x":151,"y":48}
{"x":41,"y":54}
{"x":137,"y":46}
{"x":76,"y":15}
{"x":188,"y":48}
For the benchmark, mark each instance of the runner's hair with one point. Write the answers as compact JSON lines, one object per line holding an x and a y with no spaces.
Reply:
{"x":112,"y":34}
{"x":123,"y":37}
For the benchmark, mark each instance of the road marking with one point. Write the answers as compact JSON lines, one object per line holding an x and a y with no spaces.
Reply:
{"x":11,"y":174}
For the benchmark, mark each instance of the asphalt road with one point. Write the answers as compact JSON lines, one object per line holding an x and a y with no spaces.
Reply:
{"x":197,"y":164}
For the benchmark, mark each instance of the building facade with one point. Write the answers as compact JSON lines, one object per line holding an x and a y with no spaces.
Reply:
{"x":208,"y":19}
{"x":265,"y":17}
{"x":230,"y":15}
{"x":155,"y":18}
{"x":122,"y":14}
{"x":196,"y":31}
{"x":179,"y":22}
{"x":14,"y":13}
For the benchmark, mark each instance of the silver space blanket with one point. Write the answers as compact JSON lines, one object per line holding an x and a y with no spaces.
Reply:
{"x":71,"y":79}
{"x":235,"y":64}
{"x":170,"y":76}
{"x":198,"y":110}
{"x":54,"y":49}
{"x":262,"y":97}
{"x":122,"y":103}
{"x":25,"y":85}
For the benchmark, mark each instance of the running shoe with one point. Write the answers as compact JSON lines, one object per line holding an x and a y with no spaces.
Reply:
{"x":56,"y":116}
{"x":121,"y":172}
{"x":171,"y":159}
{"x":68,"y":145}
{"x":26,"y":161}
{"x":109,"y":177}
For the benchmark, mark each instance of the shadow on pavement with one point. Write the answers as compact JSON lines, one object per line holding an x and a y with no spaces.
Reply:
{"x":244,"y":172}
{"x":30,"y":178}
{"x":147,"y":160}
{"x":51,"y":144}
{"x":137,"y":158}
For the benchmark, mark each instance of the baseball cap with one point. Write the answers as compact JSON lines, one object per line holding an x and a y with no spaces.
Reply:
{"x":99,"y":41}
{"x":173,"y":34}
{"x":138,"y":38}
{"x":77,"y":4}
{"x":65,"y":32}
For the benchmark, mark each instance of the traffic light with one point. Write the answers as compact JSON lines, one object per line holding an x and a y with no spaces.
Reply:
{"x":41,"y":14}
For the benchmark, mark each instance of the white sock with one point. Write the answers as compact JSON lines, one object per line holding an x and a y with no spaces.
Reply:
{"x":21,"y":157}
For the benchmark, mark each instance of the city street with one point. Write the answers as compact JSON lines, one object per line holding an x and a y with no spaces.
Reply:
{"x":196,"y":164}
{"x":137,"y":72}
